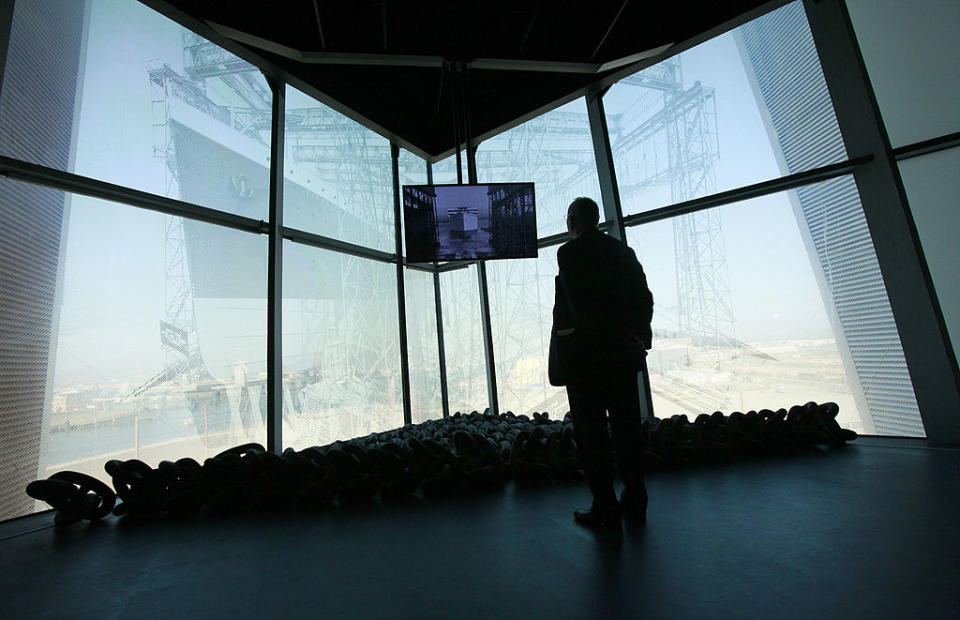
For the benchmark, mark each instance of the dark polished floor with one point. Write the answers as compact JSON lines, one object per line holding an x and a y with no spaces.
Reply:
{"x":867,"y":531}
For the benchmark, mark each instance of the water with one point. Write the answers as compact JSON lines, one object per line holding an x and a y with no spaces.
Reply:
{"x":108,"y":437}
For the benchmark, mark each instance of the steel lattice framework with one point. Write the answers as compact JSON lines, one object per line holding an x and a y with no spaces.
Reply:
{"x":667,"y":138}
{"x":670,"y":131}
{"x":344,"y":157}
{"x":677,"y":145}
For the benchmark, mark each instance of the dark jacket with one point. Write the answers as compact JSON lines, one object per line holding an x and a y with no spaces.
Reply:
{"x":608,"y":291}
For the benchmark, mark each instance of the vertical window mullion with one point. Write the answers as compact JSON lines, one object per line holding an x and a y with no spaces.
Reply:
{"x":484,"y":303}
{"x":441,"y":352}
{"x":401,"y":291}
{"x":275,"y":273}
{"x":602,"y":152}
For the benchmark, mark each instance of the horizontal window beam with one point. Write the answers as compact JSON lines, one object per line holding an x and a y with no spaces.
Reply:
{"x":916,"y":149}
{"x":453,"y":266}
{"x":425,"y":267}
{"x":344,"y":247}
{"x":77,"y":184}
{"x":542,"y":242}
{"x":557,"y":239}
{"x":545,"y":242}
{"x":66,"y":181}
{"x":756,"y":190}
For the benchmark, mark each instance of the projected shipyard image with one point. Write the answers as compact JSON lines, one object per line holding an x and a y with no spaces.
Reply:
{"x":470,"y":222}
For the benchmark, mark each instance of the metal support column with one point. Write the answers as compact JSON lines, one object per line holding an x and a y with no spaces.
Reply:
{"x":613,"y":211}
{"x":472,"y":164}
{"x":275,"y":274}
{"x":401,"y":293}
{"x":488,"y":338}
{"x":441,"y":349}
{"x":926,"y":344}
{"x":6,"y":23}
{"x":609,"y":193}
{"x":484,"y":302}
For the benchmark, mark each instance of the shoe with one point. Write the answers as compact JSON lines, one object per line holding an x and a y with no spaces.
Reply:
{"x":594,"y":517}
{"x":633,"y":506}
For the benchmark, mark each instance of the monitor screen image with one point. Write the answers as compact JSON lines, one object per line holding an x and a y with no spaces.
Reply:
{"x":469,"y":222}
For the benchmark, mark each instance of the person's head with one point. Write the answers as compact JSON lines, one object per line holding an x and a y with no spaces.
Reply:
{"x":583,"y":214}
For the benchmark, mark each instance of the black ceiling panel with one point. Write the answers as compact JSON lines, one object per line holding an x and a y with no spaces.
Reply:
{"x":407,"y":102}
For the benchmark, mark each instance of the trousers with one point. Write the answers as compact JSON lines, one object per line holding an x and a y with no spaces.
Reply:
{"x":600,"y":443}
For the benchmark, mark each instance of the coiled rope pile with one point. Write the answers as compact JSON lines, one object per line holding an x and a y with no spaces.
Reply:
{"x":434,"y":457}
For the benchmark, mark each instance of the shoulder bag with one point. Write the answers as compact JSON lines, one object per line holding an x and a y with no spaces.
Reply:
{"x":565,"y":345}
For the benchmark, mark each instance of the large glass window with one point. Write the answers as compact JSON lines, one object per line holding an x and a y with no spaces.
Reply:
{"x":555,"y":151}
{"x":341,"y":347}
{"x":910,"y":51}
{"x":463,"y":340}
{"x":422,"y":346}
{"x":743,"y":107}
{"x":773,"y":302}
{"x":445,"y":171}
{"x":337,"y":176}
{"x":156,"y":333}
{"x":115,"y":91}
{"x":413,"y":171}
{"x":521,"y":314}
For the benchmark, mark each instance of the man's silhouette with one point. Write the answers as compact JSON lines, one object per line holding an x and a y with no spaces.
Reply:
{"x":602,"y":295}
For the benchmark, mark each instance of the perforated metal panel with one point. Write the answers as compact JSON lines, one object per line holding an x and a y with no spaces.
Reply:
{"x":803,"y":126}
{"x":45,"y":34}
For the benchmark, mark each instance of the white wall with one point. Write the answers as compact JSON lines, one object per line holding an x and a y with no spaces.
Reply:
{"x":933,"y":189}
{"x":911,"y":53}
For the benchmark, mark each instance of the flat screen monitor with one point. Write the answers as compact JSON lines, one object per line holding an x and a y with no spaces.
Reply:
{"x":469,"y":222}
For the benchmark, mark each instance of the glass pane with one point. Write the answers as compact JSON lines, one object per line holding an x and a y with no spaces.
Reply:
{"x":445,"y":171}
{"x":341,"y":347}
{"x":555,"y":151}
{"x":337,"y":176}
{"x":422,"y":347}
{"x":911,"y":54}
{"x":521,"y":312}
{"x":138,"y":335}
{"x":463,"y":340}
{"x":743,"y":107}
{"x":932,"y":187}
{"x":413,"y":171}
{"x":774,"y":302}
{"x":113,"y":90}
